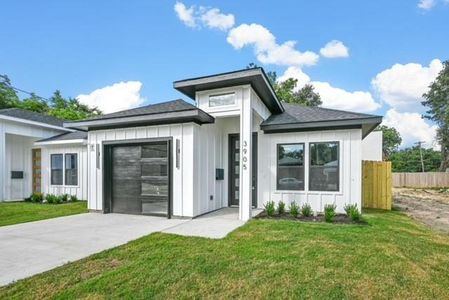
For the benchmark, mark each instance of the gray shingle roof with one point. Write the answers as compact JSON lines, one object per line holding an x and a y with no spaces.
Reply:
{"x":295,"y":113}
{"x":31,"y":116}
{"x":164,"y":107}
{"x":76,"y":135}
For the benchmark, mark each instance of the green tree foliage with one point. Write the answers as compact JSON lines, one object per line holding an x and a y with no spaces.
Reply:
{"x":8,"y":96}
{"x":57,"y":106}
{"x":286,"y":90}
{"x":391,"y":139}
{"x":409,"y":160}
{"x":437,"y":102}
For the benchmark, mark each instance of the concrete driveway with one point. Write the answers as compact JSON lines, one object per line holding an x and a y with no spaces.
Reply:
{"x":30,"y":248}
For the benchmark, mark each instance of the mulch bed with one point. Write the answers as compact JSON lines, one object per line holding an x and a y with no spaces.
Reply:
{"x":338,"y":219}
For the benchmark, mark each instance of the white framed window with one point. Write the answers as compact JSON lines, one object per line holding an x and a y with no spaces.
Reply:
{"x":290,"y":167}
{"x":221,"y":99}
{"x":64,"y":169}
{"x":324,"y":168}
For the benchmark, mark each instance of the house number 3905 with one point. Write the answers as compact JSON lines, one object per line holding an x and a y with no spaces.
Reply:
{"x":244,"y":156}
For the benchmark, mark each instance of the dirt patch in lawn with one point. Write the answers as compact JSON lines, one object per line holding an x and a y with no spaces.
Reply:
{"x":429,"y":206}
{"x":339,"y":218}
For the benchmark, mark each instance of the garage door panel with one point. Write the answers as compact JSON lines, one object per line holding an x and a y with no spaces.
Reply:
{"x":140,"y":178}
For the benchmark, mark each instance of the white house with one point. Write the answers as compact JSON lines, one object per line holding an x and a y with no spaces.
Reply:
{"x":238,"y":146}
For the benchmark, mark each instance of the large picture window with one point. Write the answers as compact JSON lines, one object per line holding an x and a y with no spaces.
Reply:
{"x":324,"y":166}
{"x":290,"y":167}
{"x":221,"y":100}
{"x":71,"y":169}
{"x":56,"y":169}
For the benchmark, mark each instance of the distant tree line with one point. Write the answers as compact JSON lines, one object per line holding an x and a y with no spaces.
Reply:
{"x":56,"y":105}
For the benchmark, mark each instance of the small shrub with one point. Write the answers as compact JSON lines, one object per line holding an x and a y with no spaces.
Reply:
{"x":65,"y":197}
{"x":269,"y":208}
{"x":281,"y":207}
{"x":58,"y":200}
{"x":73,"y":198}
{"x":306,"y":210}
{"x":37,"y":197}
{"x":51,"y":199}
{"x":27,"y":199}
{"x":329,"y":212}
{"x":294,"y":209}
{"x":353,"y":212}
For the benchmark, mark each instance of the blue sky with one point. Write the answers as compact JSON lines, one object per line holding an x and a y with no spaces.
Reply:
{"x":85,"y":47}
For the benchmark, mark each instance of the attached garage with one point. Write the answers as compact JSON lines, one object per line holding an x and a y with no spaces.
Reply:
{"x":138,"y":177}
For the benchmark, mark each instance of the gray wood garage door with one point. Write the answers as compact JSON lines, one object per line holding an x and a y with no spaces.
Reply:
{"x":140,"y":179}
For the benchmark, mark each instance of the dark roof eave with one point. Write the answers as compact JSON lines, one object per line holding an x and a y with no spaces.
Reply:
{"x":337,"y":124}
{"x":241,"y":77}
{"x":195,"y":115}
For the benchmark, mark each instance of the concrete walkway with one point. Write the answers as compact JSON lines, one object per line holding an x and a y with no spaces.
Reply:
{"x":31,"y":248}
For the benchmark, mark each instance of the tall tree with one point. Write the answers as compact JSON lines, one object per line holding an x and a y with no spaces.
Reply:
{"x":70,"y":109}
{"x":437,"y":102}
{"x":8,"y":96}
{"x":391,"y":139}
{"x":409,"y":160}
{"x":287,"y":92}
{"x":34,"y":103}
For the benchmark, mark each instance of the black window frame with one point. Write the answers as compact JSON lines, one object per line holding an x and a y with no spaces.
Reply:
{"x":303,"y":166}
{"x":65,"y":168}
{"x":51,"y":169}
{"x":338,"y":166}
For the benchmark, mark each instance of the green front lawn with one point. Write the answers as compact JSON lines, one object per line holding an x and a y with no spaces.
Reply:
{"x":21,"y":212}
{"x":392,"y":257}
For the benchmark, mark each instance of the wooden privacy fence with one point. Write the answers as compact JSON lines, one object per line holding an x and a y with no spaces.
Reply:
{"x":377,"y":184}
{"x":421,"y":180}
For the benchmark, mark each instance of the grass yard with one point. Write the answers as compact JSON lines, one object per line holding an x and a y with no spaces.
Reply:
{"x":392,"y":257}
{"x":21,"y":212}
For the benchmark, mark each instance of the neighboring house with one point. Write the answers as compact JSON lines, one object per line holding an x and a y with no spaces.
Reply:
{"x":19,"y":129}
{"x":239,"y":146}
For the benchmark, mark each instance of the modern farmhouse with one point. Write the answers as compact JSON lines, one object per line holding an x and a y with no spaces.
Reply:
{"x":238,"y":146}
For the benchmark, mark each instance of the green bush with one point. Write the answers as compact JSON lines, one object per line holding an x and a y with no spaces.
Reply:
{"x":329,"y":212}
{"x":281,"y":207}
{"x":269,"y":208}
{"x":58,"y":199}
{"x":353,"y":212}
{"x":37,"y":197}
{"x":294,"y":209}
{"x":65,"y":197}
{"x":51,"y":199}
{"x":306,"y":210}
{"x":73,"y":198}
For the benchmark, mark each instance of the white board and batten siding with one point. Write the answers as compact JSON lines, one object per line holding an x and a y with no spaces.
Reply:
{"x":81,"y":189}
{"x":16,"y":143}
{"x":372,"y":146}
{"x":350,"y":169}
{"x":182,"y":177}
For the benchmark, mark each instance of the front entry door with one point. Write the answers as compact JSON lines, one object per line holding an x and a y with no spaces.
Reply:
{"x":234,"y":169}
{"x":36,"y":170}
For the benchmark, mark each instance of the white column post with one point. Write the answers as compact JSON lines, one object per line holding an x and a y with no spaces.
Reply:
{"x":246,"y":120}
{"x":2,"y":163}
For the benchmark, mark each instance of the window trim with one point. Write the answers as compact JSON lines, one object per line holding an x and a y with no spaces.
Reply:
{"x":77,"y":169}
{"x":338,"y":190}
{"x":222,"y":94}
{"x":51,"y":169}
{"x":303,"y":165}
{"x":63,"y":185}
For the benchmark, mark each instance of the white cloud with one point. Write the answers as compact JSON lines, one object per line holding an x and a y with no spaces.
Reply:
{"x":296,"y":73}
{"x":209,"y":17}
{"x":116,"y":97}
{"x":334,"y":49}
{"x":426,"y":4}
{"x":334,"y":97}
{"x":212,"y":18}
{"x":402,"y":86}
{"x":266,"y":49}
{"x":412,"y":127}
{"x":186,"y":15}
